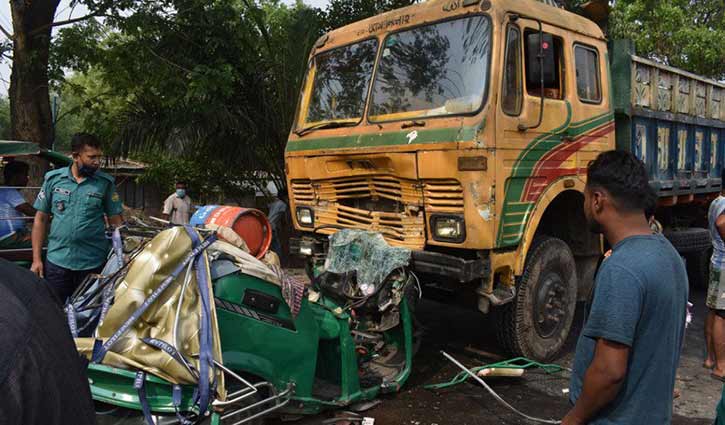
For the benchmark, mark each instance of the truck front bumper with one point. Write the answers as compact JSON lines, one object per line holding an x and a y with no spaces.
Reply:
{"x":423,"y":262}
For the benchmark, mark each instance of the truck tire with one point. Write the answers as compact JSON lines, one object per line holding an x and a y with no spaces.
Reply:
{"x":685,"y":241}
{"x":536,"y":323}
{"x":698,"y":268}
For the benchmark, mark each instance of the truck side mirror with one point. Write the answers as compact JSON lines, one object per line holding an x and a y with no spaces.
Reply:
{"x":540,"y":58}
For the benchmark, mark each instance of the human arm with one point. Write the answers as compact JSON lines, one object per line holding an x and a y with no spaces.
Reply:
{"x":42,"y":206}
{"x":113,"y":207}
{"x":602,"y":381}
{"x":40,"y":229}
{"x":720,"y":224}
{"x":610,"y":331}
{"x":115,"y":220}
{"x":19,"y":203}
{"x":26,"y":209}
{"x":167,"y":208}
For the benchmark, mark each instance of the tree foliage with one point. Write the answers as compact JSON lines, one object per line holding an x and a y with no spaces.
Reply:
{"x":686,"y":34}
{"x":216,"y":81}
{"x":4,"y":118}
{"x":340,"y":12}
{"x":188,"y":82}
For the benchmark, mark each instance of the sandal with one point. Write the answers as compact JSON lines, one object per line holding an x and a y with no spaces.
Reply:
{"x":717,"y":377}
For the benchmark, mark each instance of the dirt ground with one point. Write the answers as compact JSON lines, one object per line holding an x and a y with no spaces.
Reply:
{"x":537,"y":394}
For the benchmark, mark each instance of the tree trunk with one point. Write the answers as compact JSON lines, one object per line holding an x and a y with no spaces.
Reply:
{"x":30,"y":114}
{"x":29,"y":97}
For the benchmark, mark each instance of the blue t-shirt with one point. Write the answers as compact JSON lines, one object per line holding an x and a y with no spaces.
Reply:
{"x":9,"y":199}
{"x":640,"y":300}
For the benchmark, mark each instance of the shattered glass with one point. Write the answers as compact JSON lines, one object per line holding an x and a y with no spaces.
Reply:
{"x":367,"y":254}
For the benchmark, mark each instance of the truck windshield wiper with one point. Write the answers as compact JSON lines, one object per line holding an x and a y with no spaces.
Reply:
{"x":330,"y":124}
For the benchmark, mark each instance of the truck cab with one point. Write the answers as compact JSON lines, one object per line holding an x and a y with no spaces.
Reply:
{"x":462,"y":129}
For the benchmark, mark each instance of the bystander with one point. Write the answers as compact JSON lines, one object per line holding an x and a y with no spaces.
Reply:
{"x":277,"y":219}
{"x":715,"y":301}
{"x":628,"y":352}
{"x":13,"y":207}
{"x":177,"y":207}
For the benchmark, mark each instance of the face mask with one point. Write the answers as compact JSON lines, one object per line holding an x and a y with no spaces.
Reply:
{"x":180,"y":193}
{"x":87,"y":170}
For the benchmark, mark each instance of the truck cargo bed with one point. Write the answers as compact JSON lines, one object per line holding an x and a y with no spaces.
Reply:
{"x":671,"y":119}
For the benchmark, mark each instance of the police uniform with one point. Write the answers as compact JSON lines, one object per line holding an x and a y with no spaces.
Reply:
{"x":77,"y":243}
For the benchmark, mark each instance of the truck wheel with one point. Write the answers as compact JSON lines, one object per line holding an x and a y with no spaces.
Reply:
{"x":536,"y":323}
{"x":685,"y":241}
{"x":698,"y":268}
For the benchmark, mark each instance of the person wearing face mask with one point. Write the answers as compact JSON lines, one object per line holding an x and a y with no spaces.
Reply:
{"x":78,"y":198}
{"x":177,"y":207}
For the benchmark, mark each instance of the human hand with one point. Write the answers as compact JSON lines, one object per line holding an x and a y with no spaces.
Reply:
{"x":37,"y":268}
{"x":570,"y":419}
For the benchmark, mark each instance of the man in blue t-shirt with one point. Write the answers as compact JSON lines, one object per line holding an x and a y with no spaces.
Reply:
{"x":13,"y":207}
{"x":628,"y":352}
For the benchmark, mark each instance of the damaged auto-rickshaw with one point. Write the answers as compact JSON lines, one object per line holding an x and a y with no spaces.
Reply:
{"x":185,"y":325}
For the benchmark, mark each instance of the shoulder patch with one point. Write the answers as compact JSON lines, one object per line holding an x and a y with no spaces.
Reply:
{"x":115,"y":197}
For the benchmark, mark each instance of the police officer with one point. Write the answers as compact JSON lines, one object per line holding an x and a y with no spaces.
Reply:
{"x":77,"y":198}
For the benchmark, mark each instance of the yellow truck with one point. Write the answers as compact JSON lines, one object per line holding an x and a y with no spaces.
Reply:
{"x":462,"y":129}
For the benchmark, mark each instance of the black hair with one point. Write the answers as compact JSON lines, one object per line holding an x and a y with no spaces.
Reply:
{"x":625,"y":178}
{"x":14,"y":168}
{"x":81,"y":140}
{"x":181,"y":182}
{"x":651,"y":206}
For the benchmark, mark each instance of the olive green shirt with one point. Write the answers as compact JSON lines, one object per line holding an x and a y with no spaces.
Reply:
{"x":77,"y":239}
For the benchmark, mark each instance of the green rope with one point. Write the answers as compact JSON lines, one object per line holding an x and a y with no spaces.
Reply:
{"x":515,"y":363}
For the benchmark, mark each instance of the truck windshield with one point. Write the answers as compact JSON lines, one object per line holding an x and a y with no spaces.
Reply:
{"x":341,"y":80}
{"x":433,"y":70}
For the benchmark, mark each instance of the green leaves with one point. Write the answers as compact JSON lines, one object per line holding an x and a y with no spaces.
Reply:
{"x":682,"y":33}
{"x":205,"y":90}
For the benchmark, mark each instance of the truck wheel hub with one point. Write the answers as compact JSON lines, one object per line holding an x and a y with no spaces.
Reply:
{"x":549,"y":310}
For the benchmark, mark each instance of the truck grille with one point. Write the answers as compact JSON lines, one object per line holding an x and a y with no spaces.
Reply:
{"x":392,"y":188}
{"x":443,"y":196}
{"x":302,"y":192}
{"x":401,"y":226}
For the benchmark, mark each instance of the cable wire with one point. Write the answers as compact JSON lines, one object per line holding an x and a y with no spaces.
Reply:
{"x":495,"y":395}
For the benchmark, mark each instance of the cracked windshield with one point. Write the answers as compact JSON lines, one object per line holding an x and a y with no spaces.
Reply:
{"x":341,"y":81}
{"x":435,"y":70}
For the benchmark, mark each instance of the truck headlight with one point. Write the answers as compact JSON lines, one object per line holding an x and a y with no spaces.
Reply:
{"x":448,"y":228}
{"x":305,"y":216}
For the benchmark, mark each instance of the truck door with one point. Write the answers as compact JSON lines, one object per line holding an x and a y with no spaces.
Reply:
{"x":529,"y":141}
{"x":592,"y":125}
